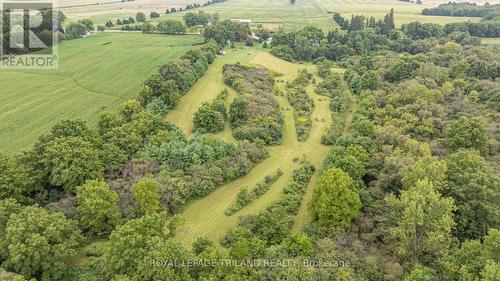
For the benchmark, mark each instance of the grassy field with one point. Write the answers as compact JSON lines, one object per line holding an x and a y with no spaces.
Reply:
{"x":205,"y":217}
{"x":404,"y":12}
{"x":273,"y":13}
{"x":69,"y":3}
{"x":112,"y":9}
{"x":270,"y":13}
{"x":95,"y":74}
{"x":490,"y":41}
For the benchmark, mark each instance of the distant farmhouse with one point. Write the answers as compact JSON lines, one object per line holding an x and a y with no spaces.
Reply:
{"x":245,"y":21}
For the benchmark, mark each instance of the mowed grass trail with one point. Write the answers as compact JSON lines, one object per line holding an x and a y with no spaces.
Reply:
{"x":205,"y":217}
{"x":95,"y":74}
{"x":404,"y":12}
{"x":206,"y":89}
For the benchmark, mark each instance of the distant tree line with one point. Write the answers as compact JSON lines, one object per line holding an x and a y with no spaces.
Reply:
{"x":200,"y":18}
{"x":226,"y":30}
{"x":360,"y":22}
{"x":192,"y":6}
{"x":479,"y":29}
{"x":464,"y":9}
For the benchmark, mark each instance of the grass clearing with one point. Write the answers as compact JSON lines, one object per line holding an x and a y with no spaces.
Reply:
{"x":490,"y":41}
{"x":95,"y":74}
{"x":205,"y":217}
{"x":206,"y":89}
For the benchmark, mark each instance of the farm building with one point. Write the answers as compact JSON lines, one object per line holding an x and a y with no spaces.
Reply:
{"x":246,"y":21}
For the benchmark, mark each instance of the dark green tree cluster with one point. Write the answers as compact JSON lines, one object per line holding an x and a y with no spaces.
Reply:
{"x":416,"y":30}
{"x":211,"y":117}
{"x":479,"y":29}
{"x":140,"y":17}
{"x":453,"y":9}
{"x":360,"y":22}
{"x":125,"y":21}
{"x":78,"y":29}
{"x":35,"y":242}
{"x":163,"y":89}
{"x":172,"y":27}
{"x":226,"y":30}
{"x":255,"y":114}
{"x":193,"y":19}
{"x":204,"y":162}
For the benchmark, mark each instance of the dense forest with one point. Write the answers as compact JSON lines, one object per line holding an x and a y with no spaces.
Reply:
{"x":408,"y":191}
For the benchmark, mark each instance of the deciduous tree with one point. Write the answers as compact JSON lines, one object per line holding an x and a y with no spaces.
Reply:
{"x":97,"y":209}
{"x":335,"y":201}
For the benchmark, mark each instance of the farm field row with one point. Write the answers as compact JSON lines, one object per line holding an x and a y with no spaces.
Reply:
{"x":272,"y":13}
{"x":203,"y":218}
{"x":404,"y":12}
{"x":269,"y":12}
{"x":112,"y":9}
{"x":95,"y":74}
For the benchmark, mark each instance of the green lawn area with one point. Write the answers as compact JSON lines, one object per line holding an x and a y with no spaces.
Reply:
{"x":205,"y":217}
{"x":95,"y":74}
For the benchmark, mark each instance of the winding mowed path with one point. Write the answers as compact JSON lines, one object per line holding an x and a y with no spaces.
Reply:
{"x":205,"y":217}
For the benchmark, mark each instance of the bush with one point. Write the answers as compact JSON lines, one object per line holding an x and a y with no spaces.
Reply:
{"x":173,"y":27}
{"x":245,"y":197}
{"x":211,"y":117}
{"x":302,"y":104}
{"x":255,"y":114}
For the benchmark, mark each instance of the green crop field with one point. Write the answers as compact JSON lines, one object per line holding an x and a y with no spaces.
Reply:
{"x":404,"y":11}
{"x":274,"y":13}
{"x":113,"y":9}
{"x":203,"y":217}
{"x":70,"y":3}
{"x":95,"y":74}
{"x":270,"y":13}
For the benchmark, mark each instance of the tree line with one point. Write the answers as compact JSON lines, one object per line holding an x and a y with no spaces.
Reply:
{"x":464,"y":9}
